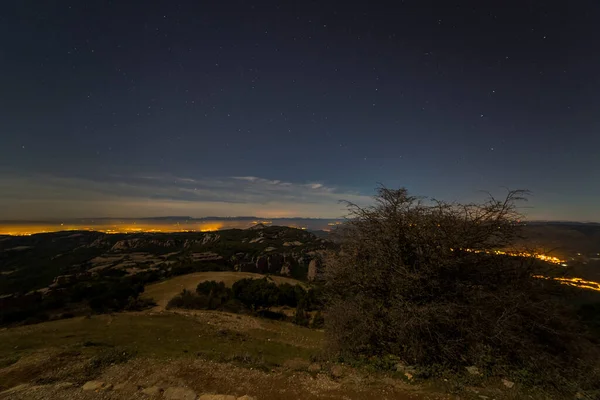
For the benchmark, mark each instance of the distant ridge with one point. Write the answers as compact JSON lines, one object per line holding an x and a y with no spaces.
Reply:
{"x":257,"y":227}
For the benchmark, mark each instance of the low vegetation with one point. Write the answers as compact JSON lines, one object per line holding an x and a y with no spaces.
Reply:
{"x":417,"y":281}
{"x":257,"y":297}
{"x":63,"y":274}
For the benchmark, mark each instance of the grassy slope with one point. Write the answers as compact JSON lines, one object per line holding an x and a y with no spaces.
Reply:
{"x":160,"y":336}
{"x":210,"y":352}
{"x":164,"y":291}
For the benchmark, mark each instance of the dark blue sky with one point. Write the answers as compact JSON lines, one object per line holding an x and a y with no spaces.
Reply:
{"x":128,"y":108}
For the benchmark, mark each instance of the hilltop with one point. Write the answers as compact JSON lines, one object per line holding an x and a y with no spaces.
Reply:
{"x":53,"y":274}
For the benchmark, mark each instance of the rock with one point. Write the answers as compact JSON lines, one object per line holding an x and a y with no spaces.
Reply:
{"x":508,"y":383}
{"x":217,"y":397}
{"x":25,"y":387}
{"x":210,"y":238}
{"x":473,"y":370}
{"x":246,"y":267}
{"x":96,"y":385}
{"x":285,"y":270}
{"x":275,"y":263}
{"x":246,"y":397}
{"x":337,"y":371}
{"x":262,"y":265}
{"x":64,"y":385}
{"x":257,"y":227}
{"x":126,"y":387}
{"x":271,"y":248}
{"x":179,"y":393}
{"x":400,"y":367}
{"x":294,"y":243}
{"x":152,"y":391}
{"x":63,"y":280}
{"x":407,"y":370}
{"x":314,"y":367}
{"x":313,"y":269}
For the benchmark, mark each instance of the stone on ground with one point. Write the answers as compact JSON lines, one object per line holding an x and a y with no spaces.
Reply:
{"x":246,"y":397}
{"x":217,"y":397}
{"x":179,"y":393}
{"x":64,"y":385}
{"x":152,"y":391}
{"x":314,"y":367}
{"x":508,"y":383}
{"x":337,"y":371}
{"x":96,"y":385}
{"x":473,"y":370}
{"x":126,"y":387}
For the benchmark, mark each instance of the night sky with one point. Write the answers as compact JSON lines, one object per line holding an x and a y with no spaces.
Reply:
{"x":130,"y":108}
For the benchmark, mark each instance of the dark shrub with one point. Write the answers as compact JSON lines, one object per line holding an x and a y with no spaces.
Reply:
{"x":278,"y":316}
{"x":234,"y":306}
{"x":289,"y":295}
{"x":314,"y":299}
{"x":256,"y":293}
{"x":218,"y":294}
{"x":189,"y":300}
{"x":138,"y":304}
{"x":301,"y":317}
{"x":208,"y":287}
{"x":418,"y":279}
{"x":318,"y":321}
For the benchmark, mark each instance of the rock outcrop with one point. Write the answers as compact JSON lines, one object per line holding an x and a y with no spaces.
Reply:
{"x":275,"y":263}
{"x":314,"y":268}
{"x":286,"y":270}
{"x":262,"y":265}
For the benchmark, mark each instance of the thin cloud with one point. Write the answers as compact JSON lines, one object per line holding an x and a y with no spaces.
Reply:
{"x":135,"y":196}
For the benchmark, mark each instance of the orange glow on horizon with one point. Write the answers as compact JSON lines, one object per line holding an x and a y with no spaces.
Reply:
{"x":28,"y":229}
{"x":113,"y":227}
{"x":212,"y":226}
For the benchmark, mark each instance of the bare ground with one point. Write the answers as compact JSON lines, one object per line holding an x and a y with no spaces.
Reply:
{"x":221,"y":378}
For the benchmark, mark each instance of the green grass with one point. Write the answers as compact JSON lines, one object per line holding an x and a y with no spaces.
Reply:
{"x":163,"y":336}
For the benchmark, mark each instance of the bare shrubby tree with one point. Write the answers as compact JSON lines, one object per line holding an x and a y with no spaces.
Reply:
{"x":418,"y":279}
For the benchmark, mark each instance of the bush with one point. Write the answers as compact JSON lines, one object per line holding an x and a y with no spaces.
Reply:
{"x":138,"y":304}
{"x":218,"y":294}
{"x":275,"y":315}
{"x":208,"y":287}
{"x":415,"y":279}
{"x":234,"y":306}
{"x":256,"y":293}
{"x":290,"y":295}
{"x":314,"y":299}
{"x":301,"y":317}
{"x":318,"y":321}
{"x":189,"y":300}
